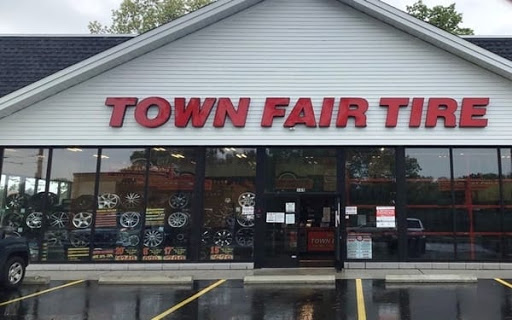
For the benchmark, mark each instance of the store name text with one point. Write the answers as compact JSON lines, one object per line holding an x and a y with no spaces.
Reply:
{"x":469,"y":113}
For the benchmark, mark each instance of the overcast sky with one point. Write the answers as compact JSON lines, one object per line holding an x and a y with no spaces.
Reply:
{"x":486,"y":17}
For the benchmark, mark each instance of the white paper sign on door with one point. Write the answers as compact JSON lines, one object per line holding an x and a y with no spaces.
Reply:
{"x":290,"y":207}
{"x":290,"y":218}
{"x":386,"y":217}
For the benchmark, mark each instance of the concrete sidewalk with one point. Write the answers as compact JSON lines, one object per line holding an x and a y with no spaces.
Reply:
{"x":240,"y":274}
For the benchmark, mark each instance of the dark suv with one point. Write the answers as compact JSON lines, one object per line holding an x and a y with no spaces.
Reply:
{"x":14,"y":258}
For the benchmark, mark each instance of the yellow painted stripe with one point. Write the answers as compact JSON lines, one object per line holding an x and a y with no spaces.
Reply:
{"x":503,"y":282}
{"x":187,"y":301}
{"x":361,"y":308}
{"x":42,"y":292}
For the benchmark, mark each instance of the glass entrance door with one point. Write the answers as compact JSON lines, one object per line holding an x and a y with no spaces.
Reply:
{"x":281,"y":232}
{"x":316,"y":230}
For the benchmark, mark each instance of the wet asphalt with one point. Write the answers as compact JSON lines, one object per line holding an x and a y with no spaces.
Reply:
{"x":486,"y":299}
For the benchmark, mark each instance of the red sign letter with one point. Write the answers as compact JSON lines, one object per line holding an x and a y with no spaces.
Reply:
{"x":120,"y":105}
{"x":302,"y":113}
{"x":393,"y":105}
{"x":352,"y":107}
{"x":271,"y":110}
{"x":441,"y":108}
{"x":141,"y":112}
{"x":326,"y":114}
{"x":225,"y":109}
{"x":416,"y":111}
{"x":193,"y":110}
{"x":473,"y":107}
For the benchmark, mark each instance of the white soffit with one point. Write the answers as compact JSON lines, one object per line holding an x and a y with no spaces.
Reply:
{"x":219,"y":10}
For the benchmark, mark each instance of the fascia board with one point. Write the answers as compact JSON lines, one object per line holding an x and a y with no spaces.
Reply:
{"x":119,"y":54}
{"x":433,"y":35}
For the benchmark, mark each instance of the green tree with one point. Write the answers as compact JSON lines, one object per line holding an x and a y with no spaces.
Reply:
{"x":446,"y":18}
{"x":138,"y":16}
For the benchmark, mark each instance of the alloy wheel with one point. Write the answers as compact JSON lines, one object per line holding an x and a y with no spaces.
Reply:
{"x":178,"y":219}
{"x":153,"y":238}
{"x":178,"y":200}
{"x":82,"y":220}
{"x":129,"y":219}
{"x":222,"y":238}
{"x":58,"y":220}
{"x":108,"y":201}
{"x":247,"y":199}
{"x":34,"y":220}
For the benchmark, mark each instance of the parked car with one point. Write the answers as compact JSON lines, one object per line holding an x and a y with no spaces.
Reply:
{"x":14,"y":258}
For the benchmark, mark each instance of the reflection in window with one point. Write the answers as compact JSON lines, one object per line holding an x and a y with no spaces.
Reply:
{"x":119,"y":214}
{"x":170,"y":199}
{"x":429,"y":204}
{"x":371,"y":189}
{"x":229,"y":199}
{"x":301,"y":170}
{"x":70,"y":218}
{"x":477,"y":195}
{"x":506,"y":171}
{"x":24,"y":185}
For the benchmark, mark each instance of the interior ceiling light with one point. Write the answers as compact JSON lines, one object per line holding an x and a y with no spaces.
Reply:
{"x":159,"y":149}
{"x":10,"y":150}
{"x":75,"y":149}
{"x":102,"y":156}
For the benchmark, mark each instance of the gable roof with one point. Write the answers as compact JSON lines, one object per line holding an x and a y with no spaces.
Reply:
{"x":27,"y":59}
{"x":501,"y":46}
{"x":219,"y":10}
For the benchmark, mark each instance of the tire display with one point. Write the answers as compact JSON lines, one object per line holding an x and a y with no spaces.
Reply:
{"x":108,"y":201}
{"x":16,"y":201}
{"x":223,"y":238}
{"x":247,"y":199}
{"x":82,"y":220}
{"x":132,"y":200}
{"x":178,"y":219}
{"x":80,"y":239}
{"x":34,"y":220}
{"x":245,"y":237}
{"x":58,"y":220}
{"x":153,"y":238}
{"x":129,"y":219}
{"x":178,"y":200}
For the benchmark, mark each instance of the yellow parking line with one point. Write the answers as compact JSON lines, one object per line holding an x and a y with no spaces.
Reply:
{"x":361,"y":308}
{"x":187,"y":301}
{"x":42,"y":292}
{"x":503,"y":282}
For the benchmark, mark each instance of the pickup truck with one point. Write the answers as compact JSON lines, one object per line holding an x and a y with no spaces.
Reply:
{"x":14,"y":258}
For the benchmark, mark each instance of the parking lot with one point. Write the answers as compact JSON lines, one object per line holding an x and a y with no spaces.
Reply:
{"x":219,"y":299}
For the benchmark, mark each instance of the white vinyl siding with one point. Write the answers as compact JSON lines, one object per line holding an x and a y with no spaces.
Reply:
{"x":278,"y":48}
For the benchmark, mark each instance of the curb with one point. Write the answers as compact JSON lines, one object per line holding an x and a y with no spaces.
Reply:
{"x":147,"y":280}
{"x":36,"y":280}
{"x":290,"y":279}
{"x":431,"y":278}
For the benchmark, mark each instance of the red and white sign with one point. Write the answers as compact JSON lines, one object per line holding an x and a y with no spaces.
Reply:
{"x":320,"y":240}
{"x":386,"y":217}
{"x":468,"y":113}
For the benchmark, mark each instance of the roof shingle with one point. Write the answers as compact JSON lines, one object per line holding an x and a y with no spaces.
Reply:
{"x":27,"y":59}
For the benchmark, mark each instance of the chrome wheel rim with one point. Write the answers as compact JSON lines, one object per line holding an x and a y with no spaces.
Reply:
{"x":108,"y":201}
{"x":245,"y":221}
{"x":59,"y":220}
{"x":79,"y":239}
{"x":178,"y":200}
{"x":129,"y":219}
{"x":56,"y":238}
{"x":132,"y":200}
{"x":153,"y":238}
{"x":222,"y":238}
{"x":15,"y":201}
{"x":245,"y":237}
{"x":177,"y":219}
{"x":34,"y":220}
{"x":247,"y":199}
{"x":15,"y":273}
{"x":82,"y":220}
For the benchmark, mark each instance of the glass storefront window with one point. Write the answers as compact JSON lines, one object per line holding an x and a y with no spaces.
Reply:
{"x":73,"y":176}
{"x":120,"y":205}
{"x":229,"y":199}
{"x":430,"y":222}
{"x":371,"y":193}
{"x":301,"y":170}
{"x":506,"y":176}
{"x":477,"y":196}
{"x":25,"y":200}
{"x":170,"y":200}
